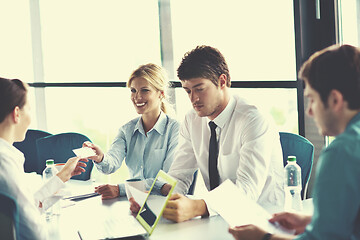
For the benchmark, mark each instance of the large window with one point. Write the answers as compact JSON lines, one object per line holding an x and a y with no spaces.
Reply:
{"x":15,"y":41}
{"x":348,"y":14}
{"x":96,"y":112}
{"x":83,"y":42}
{"x":280,"y":105}
{"x":257,"y":40}
{"x":98,"y":41}
{"x":256,"y":37}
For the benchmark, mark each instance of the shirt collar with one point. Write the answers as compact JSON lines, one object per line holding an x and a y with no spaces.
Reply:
{"x":13,"y":151}
{"x":159,"y":126}
{"x":355,"y":119}
{"x":225,"y":115}
{"x":139,"y":127}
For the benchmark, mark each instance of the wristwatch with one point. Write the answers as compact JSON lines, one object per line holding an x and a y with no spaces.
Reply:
{"x":267,"y":236}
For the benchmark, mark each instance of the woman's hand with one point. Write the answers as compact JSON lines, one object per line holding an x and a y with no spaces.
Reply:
{"x":99,"y":153}
{"x":108,"y":191}
{"x":74,"y":166}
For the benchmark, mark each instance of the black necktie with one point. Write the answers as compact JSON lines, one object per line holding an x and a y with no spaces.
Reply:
{"x":213,"y":158}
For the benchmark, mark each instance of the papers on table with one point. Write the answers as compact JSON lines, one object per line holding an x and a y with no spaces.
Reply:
{"x":77,"y":193}
{"x":139,"y":196}
{"x":81,"y":196}
{"x":238,"y":210}
{"x":84,"y":152}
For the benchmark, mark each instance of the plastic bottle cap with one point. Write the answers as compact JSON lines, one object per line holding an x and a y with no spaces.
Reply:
{"x":49,"y":162}
{"x":291,"y":158}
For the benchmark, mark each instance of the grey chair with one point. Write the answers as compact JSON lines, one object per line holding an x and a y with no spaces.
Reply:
{"x":9,"y":218}
{"x":59,"y":147}
{"x":303,"y":149}
{"x":28,"y":148}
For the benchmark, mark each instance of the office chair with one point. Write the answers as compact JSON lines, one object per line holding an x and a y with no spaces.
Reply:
{"x":9,"y":218}
{"x":303,"y":149}
{"x":59,"y":147}
{"x":28,"y":148}
{"x":193,"y":184}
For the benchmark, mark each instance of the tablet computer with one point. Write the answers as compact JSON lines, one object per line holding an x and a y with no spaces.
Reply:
{"x":125,"y":226}
{"x":154,"y":205}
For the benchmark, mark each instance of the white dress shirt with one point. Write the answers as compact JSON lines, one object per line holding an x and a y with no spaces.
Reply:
{"x":250,"y":153}
{"x":13,"y":182}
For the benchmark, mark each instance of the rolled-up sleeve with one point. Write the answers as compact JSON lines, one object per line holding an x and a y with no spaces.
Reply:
{"x":254,"y":156}
{"x":172,"y":146}
{"x":46,"y":192}
{"x":185,"y":163}
{"x":114,"y":157}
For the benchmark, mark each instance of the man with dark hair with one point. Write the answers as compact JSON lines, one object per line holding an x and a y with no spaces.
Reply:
{"x":224,"y":137}
{"x":332,"y":79}
{"x":205,"y":62}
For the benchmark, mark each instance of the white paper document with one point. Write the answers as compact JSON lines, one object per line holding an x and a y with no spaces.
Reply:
{"x":84,"y":152}
{"x":139,"y":196}
{"x":76,"y":193}
{"x":238,"y":210}
{"x":155,"y":202}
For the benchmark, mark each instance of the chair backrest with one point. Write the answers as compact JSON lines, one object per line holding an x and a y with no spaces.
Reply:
{"x":8,"y":217}
{"x":303,"y":149}
{"x":59,"y":147}
{"x":193,"y":184}
{"x":28,"y":148}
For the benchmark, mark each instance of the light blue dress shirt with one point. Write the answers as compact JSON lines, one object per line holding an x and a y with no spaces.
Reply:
{"x":337,"y":189}
{"x":144,"y":155}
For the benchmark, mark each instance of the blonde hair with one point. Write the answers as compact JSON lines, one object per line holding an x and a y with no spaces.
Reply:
{"x":157,"y":77}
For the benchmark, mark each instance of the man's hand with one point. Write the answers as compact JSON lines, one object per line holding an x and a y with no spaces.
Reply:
{"x":74,"y":166}
{"x":247,"y":232}
{"x":99,"y":153}
{"x":165,"y":189}
{"x":180,"y":208}
{"x":108,"y":191}
{"x":255,"y":233}
{"x":295,"y":221}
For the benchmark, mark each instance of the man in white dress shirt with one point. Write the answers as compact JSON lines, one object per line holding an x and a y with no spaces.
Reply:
{"x":247,"y":147}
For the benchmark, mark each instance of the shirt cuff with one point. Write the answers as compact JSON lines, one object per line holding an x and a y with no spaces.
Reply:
{"x":48,"y":190}
{"x":101,"y":164}
{"x":158,"y":185}
{"x":122,"y":191}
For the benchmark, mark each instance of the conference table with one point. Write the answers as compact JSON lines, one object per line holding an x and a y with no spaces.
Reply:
{"x":90,"y":212}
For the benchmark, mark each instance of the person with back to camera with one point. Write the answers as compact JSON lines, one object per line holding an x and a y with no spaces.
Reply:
{"x":146,"y":143}
{"x":332,"y":87}
{"x":14,"y":121}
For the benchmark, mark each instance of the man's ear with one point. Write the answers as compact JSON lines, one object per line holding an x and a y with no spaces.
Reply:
{"x":336,"y":100}
{"x":222,"y":81}
{"x":15,"y":115}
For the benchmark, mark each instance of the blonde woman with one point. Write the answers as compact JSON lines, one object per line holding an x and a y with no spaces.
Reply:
{"x":146,"y":143}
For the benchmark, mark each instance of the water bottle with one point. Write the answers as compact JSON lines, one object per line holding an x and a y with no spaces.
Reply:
{"x":47,"y":174}
{"x":292,"y":185}
{"x":50,"y":170}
